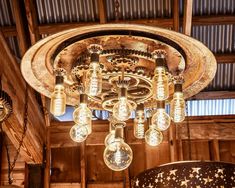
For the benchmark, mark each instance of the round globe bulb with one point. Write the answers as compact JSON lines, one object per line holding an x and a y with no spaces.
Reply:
{"x":83,"y":116}
{"x":122,"y":109}
{"x":110,"y":138}
{"x":78,"y":133}
{"x":118,"y":155}
{"x":161,"y":120}
{"x":153,"y":137}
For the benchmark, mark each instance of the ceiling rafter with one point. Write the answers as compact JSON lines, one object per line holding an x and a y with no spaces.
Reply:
{"x":187,"y":20}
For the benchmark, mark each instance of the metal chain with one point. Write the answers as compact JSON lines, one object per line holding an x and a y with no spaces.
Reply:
{"x":188,"y":132}
{"x":117,"y":12}
{"x":11,"y":166}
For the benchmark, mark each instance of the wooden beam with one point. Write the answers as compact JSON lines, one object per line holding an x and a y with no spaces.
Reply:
{"x":187,"y":20}
{"x":8,"y":31}
{"x":209,"y":128}
{"x":14,"y":84}
{"x":214,"y":20}
{"x":83,"y":164}
{"x":47,"y":168}
{"x":21,"y":34}
{"x":31,"y":13}
{"x":215,"y":152}
{"x":102,"y":11}
{"x":205,"y":95}
{"x":176,"y":16}
{"x":225,"y":57}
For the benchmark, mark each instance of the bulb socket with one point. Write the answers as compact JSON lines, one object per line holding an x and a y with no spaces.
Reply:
{"x":161,"y":104}
{"x":123,"y":92}
{"x":119,"y":133}
{"x":140,"y":107}
{"x":95,"y":57}
{"x":83,"y":98}
{"x":178,"y":88}
{"x":59,"y":80}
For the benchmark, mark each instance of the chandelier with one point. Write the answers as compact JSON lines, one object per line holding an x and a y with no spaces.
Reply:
{"x":119,"y":68}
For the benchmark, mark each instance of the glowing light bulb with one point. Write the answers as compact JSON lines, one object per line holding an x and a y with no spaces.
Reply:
{"x":118,"y":155}
{"x":83,"y":115}
{"x":177,"y":111}
{"x":110,"y":138}
{"x":139,"y":122}
{"x":58,"y":98}
{"x":160,"y":84}
{"x":94,"y":80}
{"x":153,"y":136}
{"x":122,"y":109}
{"x":161,"y":119}
{"x":78,"y":133}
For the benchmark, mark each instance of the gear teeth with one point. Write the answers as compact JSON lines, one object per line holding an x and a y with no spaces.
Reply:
{"x":159,"y":54}
{"x":95,"y":48}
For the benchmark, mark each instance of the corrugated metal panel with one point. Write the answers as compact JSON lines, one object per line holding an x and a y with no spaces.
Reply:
{"x":13,"y":44}
{"x":139,"y":9}
{"x":224,"y":78}
{"x":211,"y":107}
{"x":218,"y":38}
{"x":57,"y":11}
{"x":211,"y":7}
{"x":6,"y":17}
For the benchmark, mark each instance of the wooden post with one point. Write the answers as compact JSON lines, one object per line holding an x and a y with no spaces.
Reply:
{"x":173,"y":143}
{"x":102,"y":11}
{"x":31,"y":14}
{"x":176,"y":16}
{"x":187,"y":22}
{"x":48,"y":160}
{"x":215,"y":154}
{"x":83,"y":164}
{"x":21,"y":34}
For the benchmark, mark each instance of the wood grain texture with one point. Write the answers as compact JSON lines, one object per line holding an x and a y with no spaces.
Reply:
{"x":14,"y":84}
{"x":187,"y":20}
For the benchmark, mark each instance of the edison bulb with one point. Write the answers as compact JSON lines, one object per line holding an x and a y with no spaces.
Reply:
{"x":58,"y":101}
{"x":83,"y":116}
{"x":110,"y":138}
{"x":94,"y":80}
{"x":139,"y":123}
{"x":78,"y":133}
{"x":118,"y":155}
{"x":160,"y":84}
{"x":122,"y":109}
{"x":161,"y":119}
{"x":177,"y":111}
{"x":153,"y":137}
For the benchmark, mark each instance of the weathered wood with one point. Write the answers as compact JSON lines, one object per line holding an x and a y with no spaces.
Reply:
{"x":225,"y":57}
{"x":205,"y":95}
{"x":176,"y":16}
{"x":14,"y":85}
{"x":21,"y":34}
{"x":65,"y":185}
{"x":106,"y":185}
{"x":31,"y":14}
{"x":214,"y":148}
{"x":173,"y":143}
{"x":187,"y":20}
{"x":209,"y":128}
{"x":8,"y":31}
{"x":47,"y":168}
{"x":102,"y":11}
{"x":83,"y":164}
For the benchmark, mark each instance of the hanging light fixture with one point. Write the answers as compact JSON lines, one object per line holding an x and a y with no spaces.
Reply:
{"x":124,"y":66}
{"x":118,"y":154}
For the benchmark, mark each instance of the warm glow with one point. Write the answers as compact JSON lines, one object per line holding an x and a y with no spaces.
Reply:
{"x":82,"y":116}
{"x":122,"y":109}
{"x":118,"y":155}
{"x":153,"y":137}
{"x":161,"y":119}
{"x":94,"y":80}
{"x":78,"y":133}
{"x":139,"y":123}
{"x":160,"y":84}
{"x":58,"y":101}
{"x":177,"y":111}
